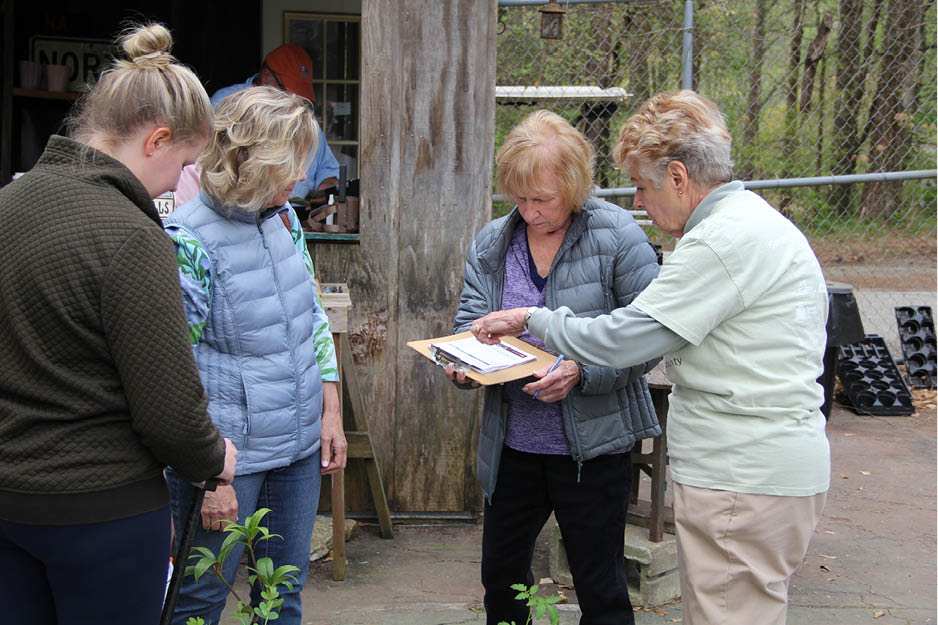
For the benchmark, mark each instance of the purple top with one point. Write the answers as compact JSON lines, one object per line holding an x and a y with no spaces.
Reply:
{"x":533,"y":426}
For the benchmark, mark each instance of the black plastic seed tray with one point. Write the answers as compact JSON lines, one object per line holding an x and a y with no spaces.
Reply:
{"x":872,"y":380}
{"x":917,"y":335}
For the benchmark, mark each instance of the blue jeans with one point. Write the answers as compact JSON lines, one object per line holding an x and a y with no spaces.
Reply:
{"x":292,"y":494}
{"x":89,"y":574}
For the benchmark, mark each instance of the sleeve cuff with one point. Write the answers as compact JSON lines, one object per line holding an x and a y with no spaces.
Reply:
{"x":537,"y":324}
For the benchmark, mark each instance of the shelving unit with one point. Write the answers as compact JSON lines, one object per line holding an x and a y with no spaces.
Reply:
{"x":331,"y":237}
{"x":19,"y":92}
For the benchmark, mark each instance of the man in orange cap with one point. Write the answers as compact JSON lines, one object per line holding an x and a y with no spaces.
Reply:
{"x":286,"y":67}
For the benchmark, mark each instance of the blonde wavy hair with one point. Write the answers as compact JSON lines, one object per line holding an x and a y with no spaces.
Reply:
{"x":262,"y":141}
{"x":545,"y":143}
{"x":676,"y":126}
{"x":150,"y":87}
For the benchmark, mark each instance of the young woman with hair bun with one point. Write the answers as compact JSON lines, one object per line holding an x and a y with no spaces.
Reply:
{"x":99,"y":391}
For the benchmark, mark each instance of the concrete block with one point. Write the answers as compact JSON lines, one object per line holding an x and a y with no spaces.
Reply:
{"x":321,"y":544}
{"x":651,"y":567}
{"x":557,"y":559}
{"x":655,"y":558}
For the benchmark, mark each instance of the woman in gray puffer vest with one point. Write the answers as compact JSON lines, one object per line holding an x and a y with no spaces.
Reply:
{"x":566,"y":450}
{"x":261,"y":339}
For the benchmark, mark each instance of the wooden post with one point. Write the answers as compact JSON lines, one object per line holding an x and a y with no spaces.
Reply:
{"x":427,"y":131}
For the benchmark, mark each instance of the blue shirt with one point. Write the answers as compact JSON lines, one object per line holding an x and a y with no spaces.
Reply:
{"x":324,"y":165}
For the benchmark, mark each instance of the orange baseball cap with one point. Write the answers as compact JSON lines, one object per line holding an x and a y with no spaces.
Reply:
{"x":293,"y":69}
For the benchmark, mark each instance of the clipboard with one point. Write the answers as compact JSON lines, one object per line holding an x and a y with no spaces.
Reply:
{"x":541,"y":360}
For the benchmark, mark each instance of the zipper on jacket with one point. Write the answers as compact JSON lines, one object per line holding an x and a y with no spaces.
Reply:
{"x":578,"y":452}
{"x":502,"y":414}
{"x":288,"y":327}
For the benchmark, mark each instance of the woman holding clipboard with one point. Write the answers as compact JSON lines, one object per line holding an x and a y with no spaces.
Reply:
{"x":558,"y":443}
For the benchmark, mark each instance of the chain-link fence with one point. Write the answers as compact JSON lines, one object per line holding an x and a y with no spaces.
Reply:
{"x":808,"y":87}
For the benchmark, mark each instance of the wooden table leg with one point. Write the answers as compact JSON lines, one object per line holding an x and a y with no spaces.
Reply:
{"x":338,"y":493}
{"x":338,"y":527}
{"x":659,"y":469}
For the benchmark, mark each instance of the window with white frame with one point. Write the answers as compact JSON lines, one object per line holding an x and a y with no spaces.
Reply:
{"x":333,"y":42}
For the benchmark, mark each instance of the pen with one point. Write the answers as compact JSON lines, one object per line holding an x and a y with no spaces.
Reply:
{"x":549,"y":371}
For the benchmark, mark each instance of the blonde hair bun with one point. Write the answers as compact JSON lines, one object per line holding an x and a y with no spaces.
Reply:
{"x":150,"y":89}
{"x":148,"y":43}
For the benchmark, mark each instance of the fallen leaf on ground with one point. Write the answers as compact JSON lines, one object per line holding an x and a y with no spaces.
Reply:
{"x":827,"y":557}
{"x":563,"y":597}
{"x":676,"y":620}
{"x":824,"y":568}
{"x":865,"y":473}
{"x":661,"y":613}
{"x":849,"y":434}
{"x":546,"y":580}
{"x":844,"y":475}
{"x":828,"y":532}
{"x":878,"y":613}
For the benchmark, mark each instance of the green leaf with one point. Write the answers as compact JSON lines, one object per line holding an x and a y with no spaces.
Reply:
{"x":519,"y":587}
{"x":521,"y":595}
{"x":285,"y":572}
{"x":265,"y":569}
{"x":553,"y":615}
{"x":550,"y":600}
{"x":200,"y":567}
{"x":231,"y":541}
{"x":195,"y":620}
{"x":205,"y":551}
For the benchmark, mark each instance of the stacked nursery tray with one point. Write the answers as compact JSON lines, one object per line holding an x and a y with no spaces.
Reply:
{"x":917,"y":335}
{"x":871,"y":378}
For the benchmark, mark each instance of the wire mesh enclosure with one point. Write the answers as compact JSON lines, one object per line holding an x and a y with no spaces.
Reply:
{"x":808,"y":87}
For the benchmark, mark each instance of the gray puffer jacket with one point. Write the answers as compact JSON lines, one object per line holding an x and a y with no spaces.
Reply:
{"x":605,"y":261}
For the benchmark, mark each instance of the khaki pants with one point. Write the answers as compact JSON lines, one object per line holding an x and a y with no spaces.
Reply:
{"x":736,"y":553}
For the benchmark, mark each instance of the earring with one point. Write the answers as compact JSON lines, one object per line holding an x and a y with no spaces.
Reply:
{"x":680,"y":193}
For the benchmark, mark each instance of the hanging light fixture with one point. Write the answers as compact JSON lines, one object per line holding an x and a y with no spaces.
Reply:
{"x":552,"y":20}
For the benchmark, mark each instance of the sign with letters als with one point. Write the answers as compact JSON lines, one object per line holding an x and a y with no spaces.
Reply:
{"x":165,"y":204}
{"x":85,"y":58}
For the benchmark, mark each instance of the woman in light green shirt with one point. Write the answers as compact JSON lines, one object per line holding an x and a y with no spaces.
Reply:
{"x":739,"y":312}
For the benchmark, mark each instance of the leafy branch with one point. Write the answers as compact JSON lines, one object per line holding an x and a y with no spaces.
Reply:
{"x":537,"y":606}
{"x":261,"y":570}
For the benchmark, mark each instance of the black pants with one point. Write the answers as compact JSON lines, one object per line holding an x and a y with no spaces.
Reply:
{"x":91,"y":574}
{"x":591,"y":515}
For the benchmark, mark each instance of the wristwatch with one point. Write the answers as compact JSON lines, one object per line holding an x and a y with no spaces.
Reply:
{"x":527,"y":316}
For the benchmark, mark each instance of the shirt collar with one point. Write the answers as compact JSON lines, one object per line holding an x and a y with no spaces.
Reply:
{"x":703,"y":210}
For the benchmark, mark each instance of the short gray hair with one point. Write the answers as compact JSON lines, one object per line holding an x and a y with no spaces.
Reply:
{"x":262,"y":141}
{"x":677,"y":126}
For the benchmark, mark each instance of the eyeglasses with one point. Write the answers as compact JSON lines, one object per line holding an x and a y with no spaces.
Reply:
{"x":275,"y":75}
{"x":309,"y":103}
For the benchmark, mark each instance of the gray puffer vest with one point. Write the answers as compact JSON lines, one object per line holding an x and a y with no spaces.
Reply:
{"x":605,"y":261}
